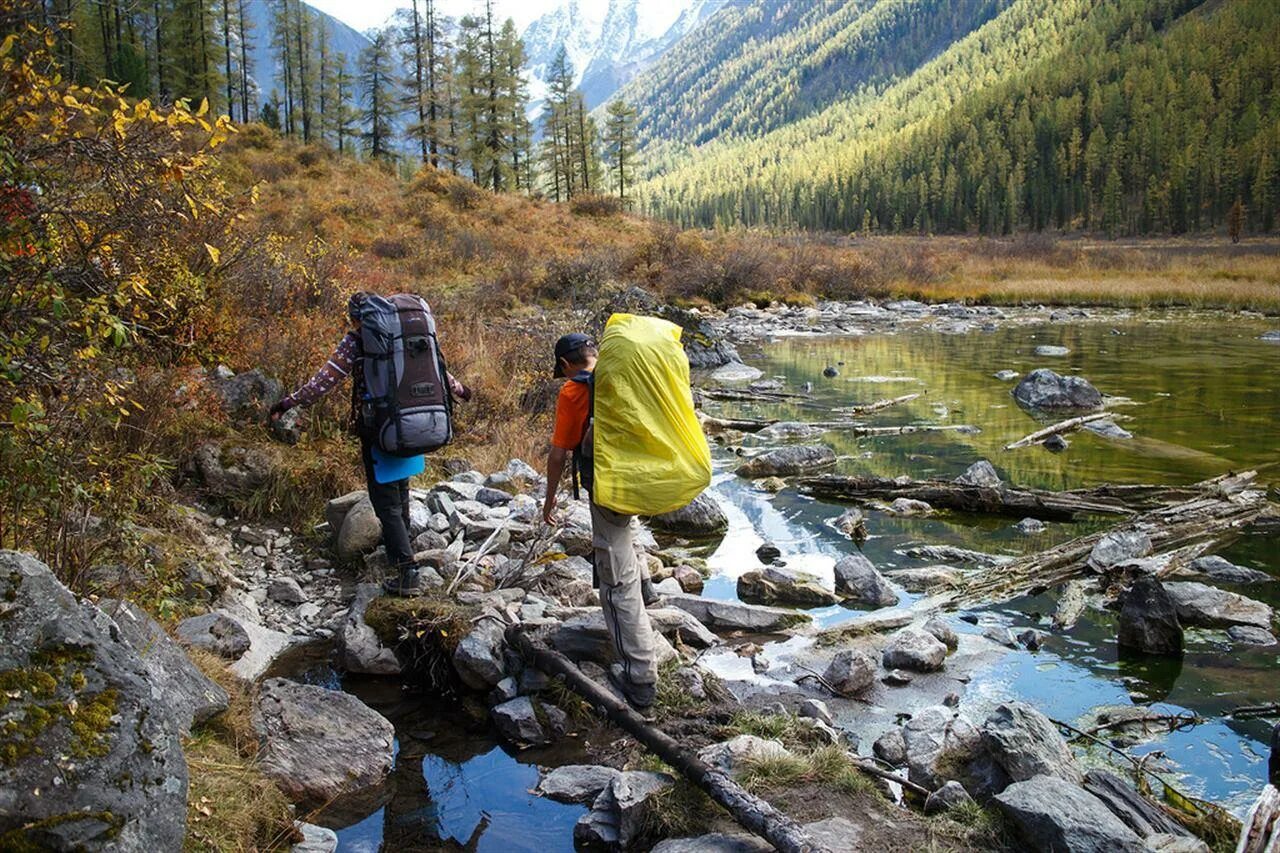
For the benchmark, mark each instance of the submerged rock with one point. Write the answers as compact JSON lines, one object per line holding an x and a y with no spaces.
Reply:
{"x":1051,"y":350}
{"x":1006,"y":375}
{"x":1149,"y":619}
{"x":861,"y":582}
{"x":1044,"y":389}
{"x":774,"y":585}
{"x":851,"y":523}
{"x":788,"y":461}
{"x":319,"y":744}
{"x":1030,"y":526}
{"x":1210,"y":607}
{"x":1108,"y":428}
{"x":850,"y":672}
{"x":700,"y":517}
{"x":1053,"y":814}
{"x":914,"y":650}
{"x":80,"y":706}
{"x":736,"y":371}
{"x":1224,"y":571}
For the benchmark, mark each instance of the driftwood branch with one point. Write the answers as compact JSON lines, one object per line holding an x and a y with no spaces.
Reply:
{"x":1069,"y":425}
{"x":876,"y":406}
{"x":908,"y":429}
{"x":753,"y":813}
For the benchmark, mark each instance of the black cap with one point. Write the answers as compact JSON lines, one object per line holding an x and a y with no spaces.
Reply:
{"x":566,"y":346}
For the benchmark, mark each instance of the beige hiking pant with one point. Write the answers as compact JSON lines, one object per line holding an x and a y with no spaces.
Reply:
{"x":618,"y":571}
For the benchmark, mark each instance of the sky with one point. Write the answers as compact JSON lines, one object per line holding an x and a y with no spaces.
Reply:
{"x":363,"y":14}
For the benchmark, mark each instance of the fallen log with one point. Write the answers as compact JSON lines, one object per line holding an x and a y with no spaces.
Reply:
{"x":1069,"y":425}
{"x":750,"y":811}
{"x":876,"y":406}
{"x":908,"y":429}
{"x":713,"y":425}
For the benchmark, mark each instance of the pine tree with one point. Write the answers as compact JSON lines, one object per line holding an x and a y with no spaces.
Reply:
{"x":557,"y":144}
{"x":282,"y":44}
{"x":244,"y":27}
{"x":516,"y":98}
{"x":620,"y":145}
{"x":377,"y":89}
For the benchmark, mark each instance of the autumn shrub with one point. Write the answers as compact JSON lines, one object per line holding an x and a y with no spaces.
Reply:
{"x":595,"y":204}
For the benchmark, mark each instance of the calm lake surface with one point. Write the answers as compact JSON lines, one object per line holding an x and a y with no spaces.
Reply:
{"x":1203,"y":397}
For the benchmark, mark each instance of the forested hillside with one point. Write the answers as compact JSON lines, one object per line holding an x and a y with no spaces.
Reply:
{"x":1123,"y":116}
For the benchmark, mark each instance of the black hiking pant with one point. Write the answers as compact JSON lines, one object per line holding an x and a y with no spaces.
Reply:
{"x":391,"y":505}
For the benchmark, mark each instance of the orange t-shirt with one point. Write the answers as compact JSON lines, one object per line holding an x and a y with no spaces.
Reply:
{"x":573,"y":408}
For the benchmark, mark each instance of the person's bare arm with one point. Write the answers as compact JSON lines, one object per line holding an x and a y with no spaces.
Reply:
{"x":555,"y":471}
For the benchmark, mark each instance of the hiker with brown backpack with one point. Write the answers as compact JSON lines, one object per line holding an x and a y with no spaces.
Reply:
{"x":625,"y":423}
{"x":402,"y":399}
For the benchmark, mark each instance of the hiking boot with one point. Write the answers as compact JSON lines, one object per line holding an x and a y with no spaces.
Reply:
{"x":407,"y":584}
{"x":639,"y":696}
{"x":648,"y":593}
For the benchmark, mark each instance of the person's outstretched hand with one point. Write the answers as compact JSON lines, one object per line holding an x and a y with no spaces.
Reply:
{"x":549,"y":510}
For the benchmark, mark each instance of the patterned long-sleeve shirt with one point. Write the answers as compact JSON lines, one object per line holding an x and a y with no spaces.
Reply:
{"x":347,"y":361}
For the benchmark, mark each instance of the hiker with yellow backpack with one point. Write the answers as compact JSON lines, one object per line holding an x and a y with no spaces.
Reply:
{"x":625,"y":422}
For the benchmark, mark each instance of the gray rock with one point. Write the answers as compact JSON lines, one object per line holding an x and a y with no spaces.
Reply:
{"x":891,"y":747}
{"x":860,"y":581}
{"x":1053,"y":814}
{"x":1119,"y":546}
{"x":736,"y":616}
{"x":768,"y":552}
{"x":123,"y":755}
{"x":1051,"y":350}
{"x":679,"y":625}
{"x":1162,"y":842}
{"x":249,"y":394}
{"x":907,"y":507}
{"x":478,"y":659}
{"x":736,"y":371}
{"x":191,"y":696}
{"x":733,"y":755}
{"x":577,"y":783}
{"x":788,"y":461}
{"x":315,"y":839}
{"x":337,"y":508}
{"x":1271,"y":336}
{"x":1136,"y":811}
{"x":914,"y":650}
{"x":288,"y":427}
{"x":361,"y":531}
{"x":981,"y":473}
{"x":1149,"y":619}
{"x":216,"y":633}
{"x":790,"y":431}
{"x":850,"y":672}
{"x":949,"y":796}
{"x":1056,"y":443}
{"x":942,"y":631}
{"x":493,"y":497}
{"x":1030,"y":526}
{"x":776,"y":585}
{"x":700,"y":517}
{"x":1006,"y":375}
{"x":359,"y":649}
{"x":815,"y":709}
{"x":1045,"y":390}
{"x":1251,"y":635}
{"x":232,"y":471}
{"x":851,"y":523}
{"x":836,"y":835}
{"x":1209,"y":607}
{"x":622,"y":811}
{"x":935,"y":733}
{"x":286,"y":590}
{"x":1224,"y":571}
{"x":586,"y":637}
{"x":924,"y":578}
{"x":1108,"y":428}
{"x":716,"y":842}
{"x":318,"y":744}
{"x":266,"y":646}
{"x":526,"y":721}
{"x":897,"y":678}
{"x":1025,"y":743}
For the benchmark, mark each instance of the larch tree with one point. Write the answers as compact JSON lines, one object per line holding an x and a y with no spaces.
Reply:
{"x":377,"y":85}
{"x":620,"y":145}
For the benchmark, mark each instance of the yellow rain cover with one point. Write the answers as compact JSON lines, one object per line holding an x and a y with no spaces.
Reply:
{"x":650,"y":454}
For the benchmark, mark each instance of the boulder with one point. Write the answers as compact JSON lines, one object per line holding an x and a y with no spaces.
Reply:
{"x":315,"y":839}
{"x":736,"y":616}
{"x":942,"y":631}
{"x":1053,"y":814}
{"x":622,"y":811}
{"x":1209,"y":607}
{"x":935,"y":733}
{"x":231,"y":471}
{"x":577,"y":783}
{"x":850,"y":672}
{"x":1224,"y":571}
{"x":361,"y":531}
{"x":1030,"y":526}
{"x":907,"y":507}
{"x":788,"y":461}
{"x":250,"y":394}
{"x":700,"y":517}
{"x":265,"y":648}
{"x":981,"y":473}
{"x":527,"y":722}
{"x":358,"y":647}
{"x":680,"y":625}
{"x":689,"y":579}
{"x":861,"y":582}
{"x":286,"y":590}
{"x":815,"y":709}
{"x":1119,"y":546}
{"x":776,"y":585}
{"x":586,"y":637}
{"x":1136,"y":811}
{"x":478,"y":659}
{"x":1149,"y":619}
{"x":914,"y":650}
{"x":924,"y":578}
{"x":736,"y":371}
{"x":216,"y":633}
{"x":1044,"y":389}
{"x":318,"y":744}
{"x":1251,"y":635}
{"x":732,"y":756}
{"x":891,"y":747}
{"x":1025,"y":744}
{"x":949,"y":796}
{"x":190,"y":695}
{"x":90,"y":752}
{"x":337,"y":508}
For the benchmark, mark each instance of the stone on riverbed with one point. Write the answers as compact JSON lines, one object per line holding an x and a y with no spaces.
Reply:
{"x":850,"y":672}
{"x":216,"y":633}
{"x":525,"y":721}
{"x":1209,"y":607}
{"x":700,"y":517}
{"x":981,"y":473}
{"x":1006,"y":375}
{"x":478,"y":658}
{"x":891,"y":748}
{"x":1044,"y":389}
{"x":851,"y":523}
{"x":736,"y":616}
{"x":907,"y":507}
{"x":862,"y":583}
{"x":914,"y":650}
{"x":1224,"y":571}
{"x":1051,"y":350}
{"x":736,"y":371}
{"x":1149,"y":619}
{"x":1030,"y":526}
{"x":319,"y":744}
{"x":1251,"y":635}
{"x":359,"y":649}
{"x":1025,"y":744}
{"x":1108,"y":428}
{"x":945,"y":634}
{"x":577,"y":783}
{"x":788,"y":461}
{"x":1053,"y":814}
{"x":775,"y":585}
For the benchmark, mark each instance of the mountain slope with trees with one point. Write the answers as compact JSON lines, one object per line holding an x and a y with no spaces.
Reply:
{"x":1122,"y":116}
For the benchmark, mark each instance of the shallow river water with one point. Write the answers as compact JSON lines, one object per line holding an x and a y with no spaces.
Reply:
{"x":1202,"y":395}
